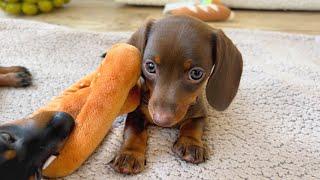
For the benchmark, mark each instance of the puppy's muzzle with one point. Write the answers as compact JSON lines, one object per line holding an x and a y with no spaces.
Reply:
{"x":25,"y":145}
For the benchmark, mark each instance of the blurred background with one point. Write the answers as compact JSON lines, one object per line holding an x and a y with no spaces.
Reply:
{"x":292,"y":16}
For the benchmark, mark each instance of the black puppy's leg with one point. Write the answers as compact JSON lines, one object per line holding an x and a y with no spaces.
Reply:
{"x":189,"y":145}
{"x":131,"y":157}
{"x":15,"y":76}
{"x":14,"y":69}
{"x":19,"y":79}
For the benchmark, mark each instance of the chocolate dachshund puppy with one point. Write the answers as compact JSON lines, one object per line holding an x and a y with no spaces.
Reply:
{"x":26,"y":144}
{"x":182,"y":58}
{"x":15,"y":76}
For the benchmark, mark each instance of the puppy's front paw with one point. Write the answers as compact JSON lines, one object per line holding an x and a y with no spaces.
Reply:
{"x":18,"y":79}
{"x":190,"y":150}
{"x":22,"y":79}
{"x":128,"y":162}
{"x":19,"y":69}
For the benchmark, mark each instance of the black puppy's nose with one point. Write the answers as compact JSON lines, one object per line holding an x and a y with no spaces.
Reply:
{"x":63,"y":122}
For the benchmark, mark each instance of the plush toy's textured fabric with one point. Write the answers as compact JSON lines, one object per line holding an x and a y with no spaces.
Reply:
{"x":95,"y":101}
{"x":270,"y":131}
{"x":210,"y":12}
{"x":158,"y":2}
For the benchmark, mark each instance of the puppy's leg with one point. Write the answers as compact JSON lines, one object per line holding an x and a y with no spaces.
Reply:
{"x":189,"y":145}
{"x":131,"y":158}
{"x":19,"y":79}
{"x":15,"y":76}
{"x":13,"y":69}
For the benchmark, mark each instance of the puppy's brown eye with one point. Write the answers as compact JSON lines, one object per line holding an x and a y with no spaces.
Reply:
{"x":150,"y":67}
{"x":196,"y":74}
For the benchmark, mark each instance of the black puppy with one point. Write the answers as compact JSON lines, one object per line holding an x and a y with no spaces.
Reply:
{"x":25,"y":145}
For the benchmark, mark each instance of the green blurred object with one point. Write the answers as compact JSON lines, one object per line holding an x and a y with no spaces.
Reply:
{"x":3,"y":4}
{"x":31,"y":1}
{"x":58,"y":3}
{"x":13,"y":8}
{"x":30,"y":7}
{"x":45,"y":6}
{"x":12,"y":1}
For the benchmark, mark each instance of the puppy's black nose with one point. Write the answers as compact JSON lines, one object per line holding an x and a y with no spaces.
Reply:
{"x":63,"y":122}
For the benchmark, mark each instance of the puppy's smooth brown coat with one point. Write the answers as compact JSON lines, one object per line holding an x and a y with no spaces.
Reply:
{"x":182,"y":57}
{"x":15,"y":76}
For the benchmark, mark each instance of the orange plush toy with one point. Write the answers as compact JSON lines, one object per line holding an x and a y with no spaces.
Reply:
{"x":214,"y":11}
{"x":94,"y":102}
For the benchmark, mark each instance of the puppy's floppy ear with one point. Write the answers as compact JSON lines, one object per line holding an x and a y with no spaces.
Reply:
{"x":224,"y":81}
{"x":140,"y":37}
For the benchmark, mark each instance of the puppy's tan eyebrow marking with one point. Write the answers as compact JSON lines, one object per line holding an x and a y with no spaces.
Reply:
{"x":9,"y":154}
{"x":157,"y":59}
{"x":187,"y":65}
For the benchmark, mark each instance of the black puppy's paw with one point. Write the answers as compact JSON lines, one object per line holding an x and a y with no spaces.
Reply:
{"x":128,"y":162}
{"x":22,"y":79}
{"x":16,"y":69}
{"x":190,"y":150}
{"x":17,"y":76}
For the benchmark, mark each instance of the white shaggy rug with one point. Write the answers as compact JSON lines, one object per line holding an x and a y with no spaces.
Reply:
{"x":311,"y":5}
{"x":271,"y":130}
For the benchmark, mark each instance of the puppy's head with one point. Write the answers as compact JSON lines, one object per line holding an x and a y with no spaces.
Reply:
{"x":26,"y":144}
{"x":181,"y":57}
